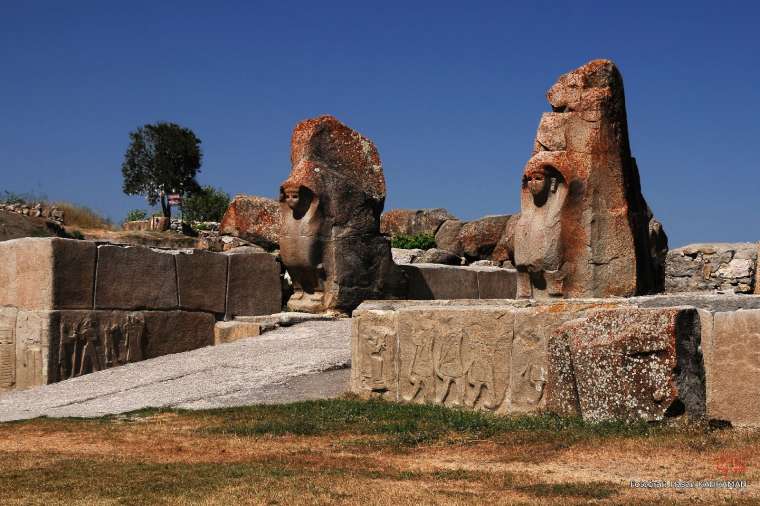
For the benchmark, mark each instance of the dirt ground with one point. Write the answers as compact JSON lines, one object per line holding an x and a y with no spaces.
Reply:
{"x":247,"y":457}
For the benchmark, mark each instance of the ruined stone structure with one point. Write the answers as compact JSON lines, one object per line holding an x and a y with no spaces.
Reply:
{"x":330,"y":239}
{"x":725,"y":267}
{"x":642,"y":358}
{"x":71,"y":307}
{"x":585,"y":229}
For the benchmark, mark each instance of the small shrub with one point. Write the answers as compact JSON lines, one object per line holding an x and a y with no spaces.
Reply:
{"x":136,"y":215}
{"x":417,"y":241}
{"x":209,"y":204}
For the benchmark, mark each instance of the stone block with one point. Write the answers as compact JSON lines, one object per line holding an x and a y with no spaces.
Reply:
{"x":374,"y":371}
{"x":47,"y":273}
{"x":455,"y":356}
{"x":228,"y":332}
{"x":253,"y":285}
{"x":733,"y":371}
{"x":202,"y":281}
{"x":631,"y":364}
{"x":135,"y":277}
{"x":33,"y":347}
{"x":436,"y":281}
{"x":496,"y":283}
{"x":757,"y":271}
{"x":176,"y":331}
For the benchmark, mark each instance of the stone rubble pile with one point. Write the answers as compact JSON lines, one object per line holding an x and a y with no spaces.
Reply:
{"x":37,"y":210}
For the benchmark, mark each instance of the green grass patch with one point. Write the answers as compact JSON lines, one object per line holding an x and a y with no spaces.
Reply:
{"x":406,"y":424}
{"x":579,"y":490}
{"x":417,"y":241}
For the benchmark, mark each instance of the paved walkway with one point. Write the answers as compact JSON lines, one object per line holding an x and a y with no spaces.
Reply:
{"x":306,"y":361}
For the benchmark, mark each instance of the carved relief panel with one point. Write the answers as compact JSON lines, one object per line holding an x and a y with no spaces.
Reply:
{"x":7,"y":347}
{"x":455,"y":357}
{"x":93,"y":341}
{"x":374,"y":353}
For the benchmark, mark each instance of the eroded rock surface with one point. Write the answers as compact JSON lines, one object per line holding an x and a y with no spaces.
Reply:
{"x":618,"y":364}
{"x":413,"y":221}
{"x":253,"y":219}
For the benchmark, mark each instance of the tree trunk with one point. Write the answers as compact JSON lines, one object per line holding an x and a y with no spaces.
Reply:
{"x":165,"y":207}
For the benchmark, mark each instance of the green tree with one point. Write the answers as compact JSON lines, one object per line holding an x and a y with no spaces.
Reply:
{"x":161,"y":159}
{"x":209,"y":204}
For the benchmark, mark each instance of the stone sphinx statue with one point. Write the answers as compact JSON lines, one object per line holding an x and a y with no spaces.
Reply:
{"x":538,"y":232}
{"x":585,"y":229}
{"x":330,"y":240}
{"x":301,"y":244}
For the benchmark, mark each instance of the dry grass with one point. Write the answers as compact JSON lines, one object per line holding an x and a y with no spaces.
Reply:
{"x":353,"y":452}
{"x":82,"y":217}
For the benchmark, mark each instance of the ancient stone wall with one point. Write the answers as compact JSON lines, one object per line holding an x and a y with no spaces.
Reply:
{"x":36,"y":210}
{"x":643,"y":358}
{"x":726,"y":267}
{"x":71,"y":307}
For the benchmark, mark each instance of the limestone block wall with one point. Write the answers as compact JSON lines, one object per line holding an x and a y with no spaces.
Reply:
{"x":71,"y":307}
{"x":637,"y":358}
{"x":728,"y":267}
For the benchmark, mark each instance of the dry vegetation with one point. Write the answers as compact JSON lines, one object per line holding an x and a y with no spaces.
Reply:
{"x":82,"y":217}
{"x":355,"y":452}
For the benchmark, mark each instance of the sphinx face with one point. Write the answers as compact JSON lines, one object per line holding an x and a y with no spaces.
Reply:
{"x":291,"y":197}
{"x":536,"y":183}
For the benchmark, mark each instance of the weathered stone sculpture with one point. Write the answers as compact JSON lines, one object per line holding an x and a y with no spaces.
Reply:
{"x":330,"y":239}
{"x":585,"y":228}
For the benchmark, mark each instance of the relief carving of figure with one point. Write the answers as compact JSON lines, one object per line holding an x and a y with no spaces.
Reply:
{"x":538,"y":246}
{"x":448,"y":367}
{"x":300,"y":245}
{"x":375,"y":374}
{"x":421,"y":369}
{"x":480,"y":374}
{"x":79,"y":349}
{"x":132,"y":331}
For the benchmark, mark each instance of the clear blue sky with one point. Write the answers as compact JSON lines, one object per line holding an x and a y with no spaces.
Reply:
{"x":451,"y":93}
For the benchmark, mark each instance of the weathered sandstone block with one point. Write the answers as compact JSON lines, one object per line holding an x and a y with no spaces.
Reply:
{"x":733,"y":387}
{"x":253,"y":286}
{"x":202,"y":281}
{"x":584,"y":228}
{"x":478,"y":354}
{"x":254,"y":219}
{"x":628,"y":363}
{"x":413,"y":221}
{"x":231,"y":331}
{"x":330,"y":239}
{"x":40,"y":347}
{"x":47,"y":273}
{"x":496,"y":283}
{"x":135,"y":278}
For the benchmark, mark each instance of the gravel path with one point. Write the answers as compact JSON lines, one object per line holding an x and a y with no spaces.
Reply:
{"x":306,"y":361}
